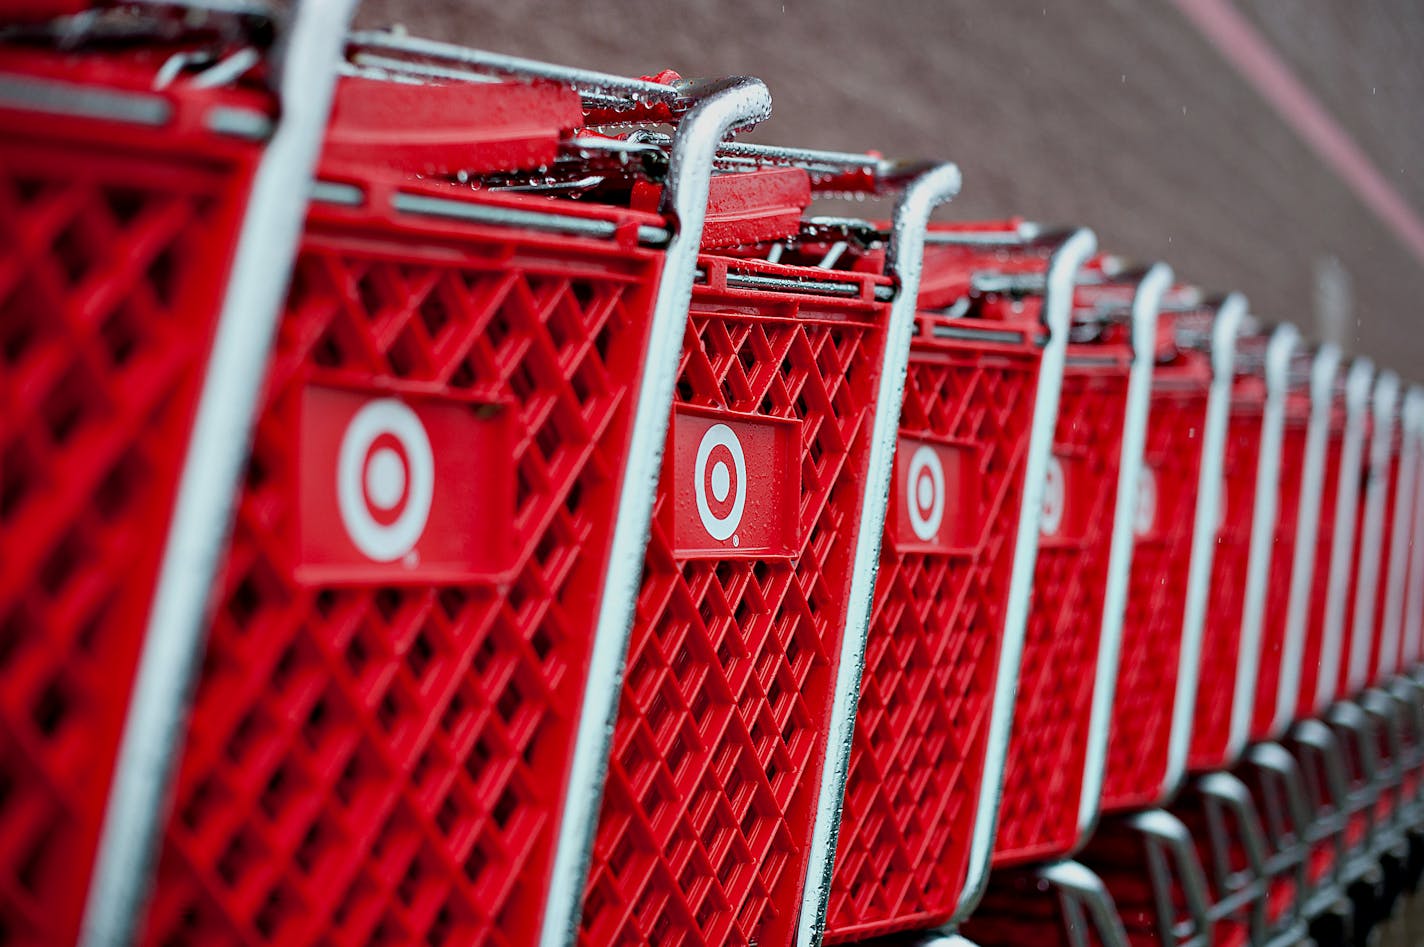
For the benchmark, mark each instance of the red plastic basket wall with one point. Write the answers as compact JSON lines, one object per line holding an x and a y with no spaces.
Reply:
{"x":1043,"y":782}
{"x":722,"y":724}
{"x":1156,"y":598}
{"x":932,"y":656}
{"x":114,"y":246}
{"x":375,"y":759}
{"x":1343,"y":688}
{"x":1273,"y":620}
{"x":1386,"y":539}
{"x":1221,"y":635}
{"x":1324,"y":541}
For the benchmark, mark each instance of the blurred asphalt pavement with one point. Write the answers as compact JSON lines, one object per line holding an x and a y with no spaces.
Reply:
{"x":1116,"y":114}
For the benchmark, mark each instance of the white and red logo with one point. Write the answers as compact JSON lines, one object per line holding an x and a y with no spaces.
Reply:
{"x":924,"y":493}
{"x":1144,"y":514}
{"x":736,"y":484}
{"x":1055,"y":498}
{"x":719,"y":478}
{"x":930,"y":506}
{"x":385,"y":479}
{"x":402,"y":487}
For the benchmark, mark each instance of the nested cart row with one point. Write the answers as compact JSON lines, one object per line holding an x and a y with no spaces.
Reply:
{"x":447,"y":498}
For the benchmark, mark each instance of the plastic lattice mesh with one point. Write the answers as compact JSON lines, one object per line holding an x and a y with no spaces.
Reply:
{"x":1278,"y":581}
{"x":1307,"y":700}
{"x":113,"y":258}
{"x":1221,"y":634}
{"x":1043,"y":784}
{"x":722,"y":722}
{"x":383,"y":762}
{"x":937,"y":624}
{"x":1156,"y":595}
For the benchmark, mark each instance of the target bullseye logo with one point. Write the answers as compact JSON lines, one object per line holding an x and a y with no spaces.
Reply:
{"x":1145,"y":513}
{"x":924,"y":488}
{"x":385,"y":479}
{"x":1055,"y":498}
{"x":720,"y":481}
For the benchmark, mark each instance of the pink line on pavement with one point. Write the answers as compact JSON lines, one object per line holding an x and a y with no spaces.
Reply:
{"x":1259,"y":65}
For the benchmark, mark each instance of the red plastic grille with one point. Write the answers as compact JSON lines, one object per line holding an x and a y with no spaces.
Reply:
{"x":1307,"y":701}
{"x":114,"y":247}
{"x":722,"y":723}
{"x":1273,"y":621}
{"x":1156,"y":597}
{"x":1221,"y":659}
{"x":1386,"y":538}
{"x":379,"y":758}
{"x":932,"y":655}
{"x":1043,"y":783}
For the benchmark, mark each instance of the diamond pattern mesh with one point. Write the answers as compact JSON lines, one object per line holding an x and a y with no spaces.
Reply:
{"x":372,"y":764}
{"x":931,"y":660}
{"x":1043,"y":784}
{"x":113,"y":258}
{"x":1156,"y":597}
{"x":1221,"y":635}
{"x":721,"y":731}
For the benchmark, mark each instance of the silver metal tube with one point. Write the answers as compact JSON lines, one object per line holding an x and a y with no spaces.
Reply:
{"x":305,"y":77}
{"x":904,"y":260}
{"x":727,"y":105}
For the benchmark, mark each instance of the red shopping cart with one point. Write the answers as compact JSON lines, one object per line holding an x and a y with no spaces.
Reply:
{"x":1250,"y":490}
{"x":1400,"y":657}
{"x":149,"y":197}
{"x":1053,"y":778}
{"x":733,"y":732}
{"x":1308,"y":410}
{"x":1320,"y":663}
{"x":1412,"y":633}
{"x":1375,"y":645}
{"x":951,"y":595}
{"x":1156,"y":679}
{"x":1069,"y":666}
{"x":399,"y":728}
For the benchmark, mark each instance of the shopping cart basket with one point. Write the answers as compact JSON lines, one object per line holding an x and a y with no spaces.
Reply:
{"x":1156,"y":680}
{"x":400,"y":726}
{"x":149,"y":201}
{"x":1069,"y":668}
{"x":1230,"y":654}
{"x":951,"y":595}
{"x":733,"y":733}
{"x":1308,"y":409}
{"x":1334,"y":548}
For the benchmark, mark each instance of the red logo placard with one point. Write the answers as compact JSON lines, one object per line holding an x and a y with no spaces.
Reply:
{"x":394,"y":487}
{"x":736,"y":484}
{"x":931,"y":506}
{"x":1065,"y":508}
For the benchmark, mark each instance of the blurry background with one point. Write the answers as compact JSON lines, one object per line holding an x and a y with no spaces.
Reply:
{"x":1271,"y":146}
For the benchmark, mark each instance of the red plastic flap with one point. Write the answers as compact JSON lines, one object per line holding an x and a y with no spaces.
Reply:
{"x":745,"y":207}
{"x":439,"y":129}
